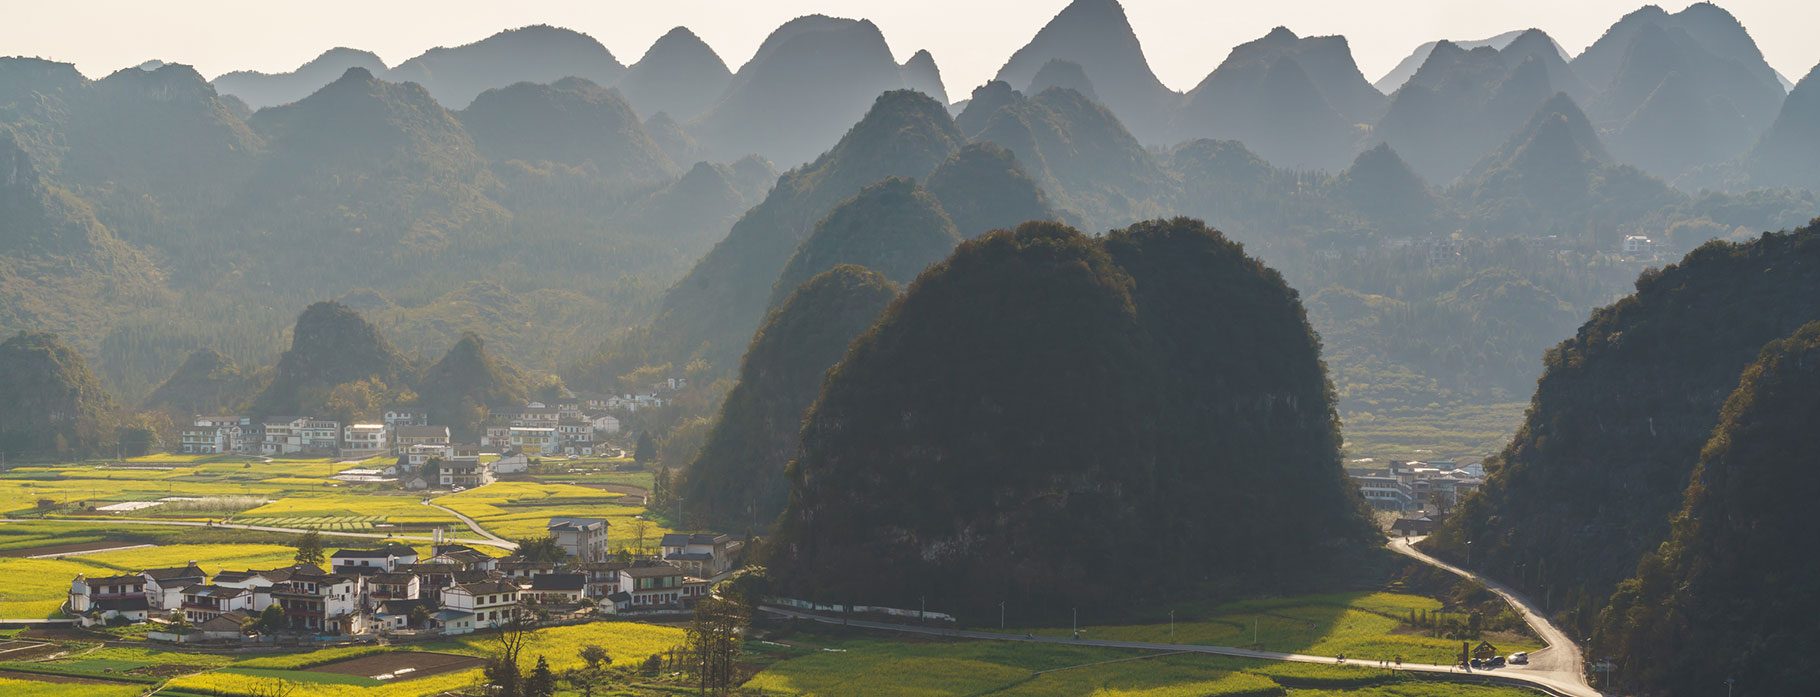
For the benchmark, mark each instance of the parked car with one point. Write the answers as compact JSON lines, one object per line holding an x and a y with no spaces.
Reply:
{"x":1494,"y":662}
{"x":1520,"y":658}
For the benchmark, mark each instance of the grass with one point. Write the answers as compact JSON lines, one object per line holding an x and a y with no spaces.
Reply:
{"x":32,"y":688}
{"x":627,"y":642}
{"x":1366,"y":626}
{"x":816,"y":664}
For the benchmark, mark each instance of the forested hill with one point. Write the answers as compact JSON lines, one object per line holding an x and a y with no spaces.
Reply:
{"x":332,"y":346}
{"x":1725,"y":597}
{"x":738,"y":482}
{"x":53,"y":404}
{"x":1619,"y":417}
{"x":946,"y":457}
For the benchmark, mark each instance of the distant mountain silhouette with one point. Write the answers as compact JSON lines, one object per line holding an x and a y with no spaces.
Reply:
{"x":1461,"y":104}
{"x":1407,"y":67}
{"x":811,"y":79}
{"x":1554,"y":176}
{"x":1679,"y":90}
{"x":261,"y":90}
{"x":920,"y":73}
{"x":673,"y":139}
{"x":207,"y":382}
{"x":1788,"y":154}
{"x":571,"y":121}
{"x":1298,"y":102}
{"x":1079,"y":152}
{"x":1066,"y":75}
{"x":713,"y":310}
{"x":680,"y":75}
{"x":1382,"y":188}
{"x":1095,"y":35}
{"x":537,"y":53}
{"x":368,"y":160}
{"x":983,"y":188}
{"x":894,"y":227}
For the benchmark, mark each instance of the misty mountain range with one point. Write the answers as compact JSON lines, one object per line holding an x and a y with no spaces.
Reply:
{"x":1682,"y":96}
{"x":590,"y":219}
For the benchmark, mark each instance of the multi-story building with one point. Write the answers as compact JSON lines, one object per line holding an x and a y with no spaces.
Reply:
{"x":97,"y":600}
{"x":406,"y":416}
{"x":584,"y":539}
{"x":213,"y":435}
{"x":387,"y":557}
{"x":705,"y":554}
{"x":535,"y":440}
{"x":649,"y":586}
{"x":536,"y":415}
{"x":574,"y":430}
{"x":319,"y":436}
{"x":364,"y":440}
{"x":417,"y":456}
{"x":408,"y":436}
{"x":605,"y":424}
{"x":321,"y":602}
{"x":206,"y":602}
{"x":466,"y":472}
{"x":468,"y":607}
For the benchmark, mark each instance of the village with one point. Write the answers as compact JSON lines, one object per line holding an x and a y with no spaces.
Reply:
{"x":391,"y":590}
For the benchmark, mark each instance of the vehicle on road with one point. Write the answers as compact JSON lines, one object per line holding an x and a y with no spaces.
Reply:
{"x":1520,"y":658}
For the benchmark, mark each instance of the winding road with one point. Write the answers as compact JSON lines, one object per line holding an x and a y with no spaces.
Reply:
{"x":1561,"y":660}
{"x":493,"y":539}
{"x":1554,"y":670}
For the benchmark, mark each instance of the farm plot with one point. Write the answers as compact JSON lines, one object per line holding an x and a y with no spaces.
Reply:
{"x":400,"y":665}
{"x":523,"y":509}
{"x":345,"y":523}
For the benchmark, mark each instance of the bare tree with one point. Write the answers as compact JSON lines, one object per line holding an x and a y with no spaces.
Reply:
{"x":274,"y":688}
{"x":713,"y":643}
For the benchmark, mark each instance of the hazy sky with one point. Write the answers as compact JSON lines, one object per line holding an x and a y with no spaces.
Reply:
{"x":1184,"y":39}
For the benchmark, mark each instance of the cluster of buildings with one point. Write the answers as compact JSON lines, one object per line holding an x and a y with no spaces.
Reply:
{"x":1410,"y":486}
{"x":391,"y":589}
{"x":568,"y":428}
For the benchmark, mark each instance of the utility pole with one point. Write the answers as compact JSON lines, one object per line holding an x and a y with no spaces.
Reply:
{"x":1001,"y":615}
{"x":1728,"y":686}
{"x":1077,"y":623}
{"x":1171,"y":626}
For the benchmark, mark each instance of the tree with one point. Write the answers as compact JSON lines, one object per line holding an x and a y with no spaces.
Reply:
{"x":309,"y":549}
{"x":274,"y":688}
{"x":541,"y":549}
{"x":502,"y":675}
{"x":541,"y":682}
{"x":270,"y":619}
{"x":647,"y":449}
{"x":591,"y":675}
{"x":640,"y":527}
{"x":713,"y":643}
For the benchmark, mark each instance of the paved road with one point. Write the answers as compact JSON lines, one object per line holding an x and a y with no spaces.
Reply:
{"x":1561,"y":660}
{"x":494,"y":540}
{"x":491,"y":541}
{"x":1546,"y":682}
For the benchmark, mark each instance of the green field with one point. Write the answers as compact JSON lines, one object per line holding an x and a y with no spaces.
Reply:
{"x":817,"y":664}
{"x":1368,"y":626}
{"x":36,"y":588}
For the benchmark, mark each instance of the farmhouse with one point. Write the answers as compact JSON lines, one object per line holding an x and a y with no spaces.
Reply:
{"x":702,"y":554}
{"x":362,"y":441}
{"x":468,"y":472}
{"x":479,"y":605}
{"x":583,"y":539}
{"x":386,"y":557}
{"x":407,"y":436}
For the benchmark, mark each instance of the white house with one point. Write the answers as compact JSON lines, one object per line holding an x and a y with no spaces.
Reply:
{"x":584,"y":539}
{"x":403,"y":416}
{"x":703,"y":554}
{"x":540,"y":440}
{"x":213,"y":435}
{"x":387,"y":557}
{"x":480,"y":605}
{"x":606,"y":423}
{"x":408,"y":436}
{"x":206,"y":602}
{"x":364,"y":440}
{"x":467,"y":472}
